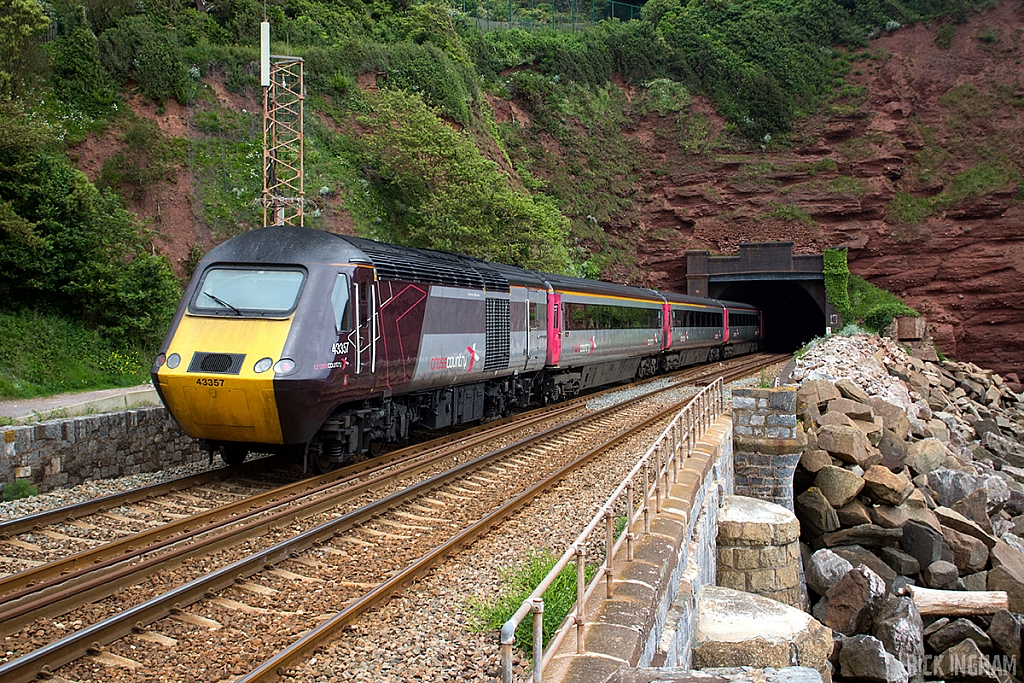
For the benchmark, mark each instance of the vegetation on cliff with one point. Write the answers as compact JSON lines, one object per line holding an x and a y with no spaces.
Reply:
{"x":415,"y":157}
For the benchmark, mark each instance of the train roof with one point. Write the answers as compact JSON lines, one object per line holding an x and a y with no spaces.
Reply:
{"x":293,"y":244}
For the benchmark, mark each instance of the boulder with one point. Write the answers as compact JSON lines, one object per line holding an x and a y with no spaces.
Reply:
{"x":734,"y":628}
{"x":886,"y":487}
{"x":852,"y":409}
{"x":969,"y":554}
{"x":1004,"y":632}
{"x":854,"y":513}
{"x":848,"y":389}
{"x":975,"y":582}
{"x":863,"y":658}
{"x":838,"y":485}
{"x":926,"y":455}
{"x":864,"y":535}
{"x":1007,"y":574}
{"x":950,"y":635}
{"x":893,"y":417}
{"x":836,"y":419}
{"x":922,"y":542}
{"x":939,"y":574}
{"x":964,"y":661}
{"x":848,"y":444}
{"x":899,"y":626}
{"x":816,"y":515}
{"x":893,"y":450}
{"x":872,"y":430}
{"x":823,"y":570}
{"x":901,"y":562}
{"x":974,"y":506}
{"x":951,"y":486}
{"x":812,"y":461}
{"x":856,"y":555}
{"x":954,"y":520}
{"x":815,"y":392}
{"x":854,"y":600}
{"x":889,"y":517}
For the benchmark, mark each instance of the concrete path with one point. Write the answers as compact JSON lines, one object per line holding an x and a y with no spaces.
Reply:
{"x":21,"y":411}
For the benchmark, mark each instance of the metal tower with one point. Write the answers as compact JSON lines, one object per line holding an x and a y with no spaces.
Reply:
{"x":283,"y":94}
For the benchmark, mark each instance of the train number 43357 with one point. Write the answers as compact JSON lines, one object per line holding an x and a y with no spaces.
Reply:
{"x":208,"y":382}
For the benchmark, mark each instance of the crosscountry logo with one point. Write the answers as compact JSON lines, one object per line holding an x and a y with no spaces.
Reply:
{"x":473,"y":357}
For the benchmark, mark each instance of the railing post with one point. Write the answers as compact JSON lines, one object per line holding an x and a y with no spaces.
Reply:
{"x":629,"y":521}
{"x":647,"y":487}
{"x":538,"y":640}
{"x":581,"y":596}
{"x":609,"y":544}
{"x":657,"y":478}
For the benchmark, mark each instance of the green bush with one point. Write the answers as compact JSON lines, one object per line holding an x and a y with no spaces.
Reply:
{"x":428,"y":70}
{"x":18,"y":489}
{"x":875,"y":306}
{"x":879,"y":317}
{"x":67,"y":247}
{"x":431,"y":187}
{"x":78,"y":77}
{"x":150,"y":55}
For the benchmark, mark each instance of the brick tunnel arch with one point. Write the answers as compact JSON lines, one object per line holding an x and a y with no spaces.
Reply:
{"x":793,"y":315}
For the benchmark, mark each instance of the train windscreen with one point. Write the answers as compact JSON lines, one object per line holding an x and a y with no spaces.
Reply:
{"x":248,"y":291}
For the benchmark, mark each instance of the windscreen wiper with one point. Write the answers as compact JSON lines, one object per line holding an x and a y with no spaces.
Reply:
{"x":222,"y":302}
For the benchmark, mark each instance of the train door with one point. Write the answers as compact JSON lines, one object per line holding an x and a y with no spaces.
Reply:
{"x":364,"y":297}
{"x":537,"y":328}
{"x":554,"y":325}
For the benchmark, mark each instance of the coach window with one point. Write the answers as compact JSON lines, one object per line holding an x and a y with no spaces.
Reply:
{"x":538,"y":316}
{"x":339,"y":302}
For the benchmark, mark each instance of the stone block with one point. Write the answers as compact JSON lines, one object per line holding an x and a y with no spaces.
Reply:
{"x":838,"y":485}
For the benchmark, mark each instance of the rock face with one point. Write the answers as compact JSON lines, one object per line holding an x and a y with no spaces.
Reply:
{"x":741,"y":629}
{"x":917,"y":101}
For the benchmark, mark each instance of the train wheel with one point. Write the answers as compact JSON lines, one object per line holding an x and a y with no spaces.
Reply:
{"x":376,"y":447}
{"x":715,"y":355}
{"x":317,"y":459}
{"x":234,"y":454}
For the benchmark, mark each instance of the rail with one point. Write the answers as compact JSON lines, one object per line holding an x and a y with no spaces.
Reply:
{"x":671,"y":447}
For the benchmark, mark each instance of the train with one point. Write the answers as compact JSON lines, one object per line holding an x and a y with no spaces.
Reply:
{"x":329,"y":346}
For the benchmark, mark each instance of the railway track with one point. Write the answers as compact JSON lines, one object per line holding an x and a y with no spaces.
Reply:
{"x":316,"y":549}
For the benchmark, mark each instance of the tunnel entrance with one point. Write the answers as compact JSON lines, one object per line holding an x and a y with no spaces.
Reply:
{"x":791,"y":315}
{"x":789,"y":289}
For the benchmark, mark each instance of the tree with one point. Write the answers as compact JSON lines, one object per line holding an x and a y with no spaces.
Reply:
{"x":20,"y":21}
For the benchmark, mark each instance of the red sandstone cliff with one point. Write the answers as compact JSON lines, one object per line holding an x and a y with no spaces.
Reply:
{"x":942,"y":125}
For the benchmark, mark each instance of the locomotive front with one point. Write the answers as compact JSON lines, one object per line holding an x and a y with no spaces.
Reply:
{"x":263,"y":323}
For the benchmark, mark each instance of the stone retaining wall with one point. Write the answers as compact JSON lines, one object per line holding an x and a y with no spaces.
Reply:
{"x":768,"y":443}
{"x":67,"y":452}
{"x":651,"y":617}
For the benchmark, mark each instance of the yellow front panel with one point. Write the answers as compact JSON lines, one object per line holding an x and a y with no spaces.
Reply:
{"x":218,"y":406}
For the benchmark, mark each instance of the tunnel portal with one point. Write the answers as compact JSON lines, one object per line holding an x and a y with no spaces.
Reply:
{"x":789,"y":289}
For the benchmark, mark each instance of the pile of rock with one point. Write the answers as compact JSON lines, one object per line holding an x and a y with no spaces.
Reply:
{"x":912,"y":476}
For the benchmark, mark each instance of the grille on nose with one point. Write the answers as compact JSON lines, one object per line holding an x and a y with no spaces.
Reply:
{"x":220,"y":363}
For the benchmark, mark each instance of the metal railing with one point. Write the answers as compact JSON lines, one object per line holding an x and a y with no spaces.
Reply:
{"x":532,"y":14}
{"x":663,"y":460}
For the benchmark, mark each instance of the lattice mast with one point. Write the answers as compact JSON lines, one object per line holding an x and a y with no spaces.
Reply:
{"x":284,"y":192}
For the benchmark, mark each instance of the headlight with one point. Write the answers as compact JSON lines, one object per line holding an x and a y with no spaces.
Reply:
{"x":262,"y":365}
{"x":285,"y":366}
{"x":160,"y":360}
{"x":173,"y":361}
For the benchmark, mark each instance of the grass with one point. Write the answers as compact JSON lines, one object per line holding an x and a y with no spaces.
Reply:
{"x":907,"y":211}
{"x":517,"y":584}
{"x":42,"y":355}
{"x":18,"y":489}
